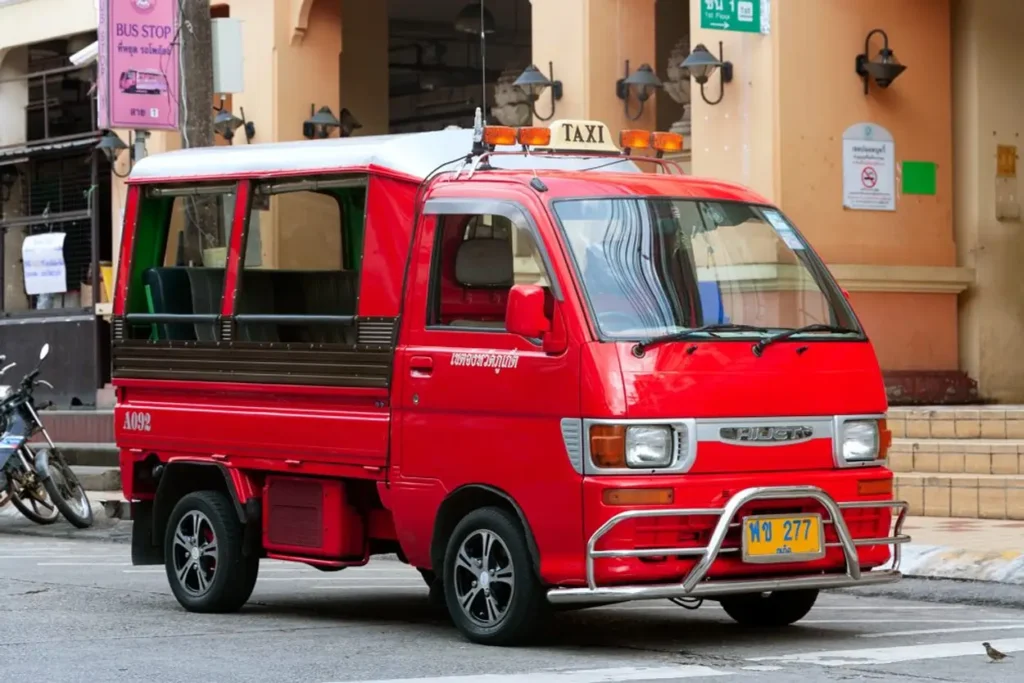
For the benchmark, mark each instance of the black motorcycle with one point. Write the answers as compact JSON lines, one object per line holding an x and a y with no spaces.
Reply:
{"x":43,"y":484}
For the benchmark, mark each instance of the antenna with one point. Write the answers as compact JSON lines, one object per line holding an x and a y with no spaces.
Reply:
{"x":483,"y":61}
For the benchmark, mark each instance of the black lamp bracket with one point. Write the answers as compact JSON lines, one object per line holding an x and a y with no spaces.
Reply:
{"x":556,"y":94}
{"x":725,"y":76}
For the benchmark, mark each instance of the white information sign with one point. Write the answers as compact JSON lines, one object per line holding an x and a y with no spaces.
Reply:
{"x":43,"y":258}
{"x":869,"y":168}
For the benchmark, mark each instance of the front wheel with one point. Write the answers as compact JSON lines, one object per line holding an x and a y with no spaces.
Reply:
{"x":775,"y":609}
{"x":64,"y":489}
{"x":491,"y":590}
{"x":204,"y":555}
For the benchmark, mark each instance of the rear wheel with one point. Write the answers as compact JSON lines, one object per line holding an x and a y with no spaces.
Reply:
{"x":491,"y":590}
{"x":778,"y":608}
{"x":203,"y":554}
{"x":30,"y":498}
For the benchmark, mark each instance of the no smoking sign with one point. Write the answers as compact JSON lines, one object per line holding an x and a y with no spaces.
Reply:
{"x":869,"y":177}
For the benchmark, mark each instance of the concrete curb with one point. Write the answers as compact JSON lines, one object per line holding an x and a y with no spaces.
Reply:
{"x":943,"y":562}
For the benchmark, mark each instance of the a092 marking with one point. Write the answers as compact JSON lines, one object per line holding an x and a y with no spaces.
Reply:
{"x":136,"y":421}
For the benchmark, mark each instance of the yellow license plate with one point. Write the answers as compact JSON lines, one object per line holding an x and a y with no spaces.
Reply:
{"x":783,"y":538}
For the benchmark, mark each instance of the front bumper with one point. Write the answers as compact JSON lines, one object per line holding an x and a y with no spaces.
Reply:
{"x":694,"y":584}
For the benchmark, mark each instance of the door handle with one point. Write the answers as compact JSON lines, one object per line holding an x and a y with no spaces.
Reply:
{"x":421,"y":366}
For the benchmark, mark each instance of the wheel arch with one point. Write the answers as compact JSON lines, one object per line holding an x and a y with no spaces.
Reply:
{"x":181,"y":477}
{"x":464,"y":500}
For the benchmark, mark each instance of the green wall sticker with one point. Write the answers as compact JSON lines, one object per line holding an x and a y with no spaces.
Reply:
{"x":919,"y":177}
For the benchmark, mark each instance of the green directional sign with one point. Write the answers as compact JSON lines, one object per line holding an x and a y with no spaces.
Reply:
{"x":734,"y":15}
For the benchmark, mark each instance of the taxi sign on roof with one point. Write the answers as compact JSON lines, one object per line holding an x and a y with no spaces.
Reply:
{"x":580,"y":136}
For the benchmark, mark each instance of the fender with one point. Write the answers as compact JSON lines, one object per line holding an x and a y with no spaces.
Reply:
{"x":469,"y":494}
{"x":238,"y":485}
{"x":42,"y":463}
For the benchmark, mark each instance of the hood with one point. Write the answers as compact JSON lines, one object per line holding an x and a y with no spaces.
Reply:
{"x":725,"y":379}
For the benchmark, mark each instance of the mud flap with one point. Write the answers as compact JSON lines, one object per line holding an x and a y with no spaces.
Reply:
{"x":146,"y":550}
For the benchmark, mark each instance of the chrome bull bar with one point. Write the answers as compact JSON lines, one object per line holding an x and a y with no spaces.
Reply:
{"x":694,"y":584}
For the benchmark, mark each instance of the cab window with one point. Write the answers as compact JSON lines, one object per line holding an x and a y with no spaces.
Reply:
{"x":476,"y":261}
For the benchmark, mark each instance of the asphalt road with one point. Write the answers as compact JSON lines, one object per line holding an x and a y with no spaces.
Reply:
{"x":76,"y":610}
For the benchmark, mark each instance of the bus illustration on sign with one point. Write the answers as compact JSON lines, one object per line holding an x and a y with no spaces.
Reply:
{"x":143,"y":82}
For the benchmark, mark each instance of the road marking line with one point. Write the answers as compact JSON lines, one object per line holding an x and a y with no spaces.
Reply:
{"x":62,"y":557}
{"x":578,"y":676}
{"x":818,"y":608}
{"x":336,"y":585}
{"x":342,"y":579}
{"x":892,"y":655}
{"x":925,"y":632}
{"x":907,"y":621}
{"x":83,"y":564}
{"x":762,"y":667}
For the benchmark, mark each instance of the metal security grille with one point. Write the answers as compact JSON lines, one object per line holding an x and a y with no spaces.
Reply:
{"x":57,"y":195}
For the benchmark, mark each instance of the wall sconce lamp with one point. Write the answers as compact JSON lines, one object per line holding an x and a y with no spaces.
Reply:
{"x":701,"y":64}
{"x":884,"y":69}
{"x":643,"y":81}
{"x":320,"y":123}
{"x":348,"y":123}
{"x":111,"y":145}
{"x":534,"y":82}
{"x":225,"y":123}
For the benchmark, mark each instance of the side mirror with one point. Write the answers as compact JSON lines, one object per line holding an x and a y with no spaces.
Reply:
{"x":44,"y":352}
{"x":524,"y":314}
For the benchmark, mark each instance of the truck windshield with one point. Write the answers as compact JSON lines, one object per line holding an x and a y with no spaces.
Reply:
{"x":659,"y":266}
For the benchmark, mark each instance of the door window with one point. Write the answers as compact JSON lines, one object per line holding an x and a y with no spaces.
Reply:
{"x":476,"y":261}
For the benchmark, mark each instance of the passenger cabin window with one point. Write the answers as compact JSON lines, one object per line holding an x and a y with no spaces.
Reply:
{"x":308,"y":294}
{"x":476,"y":261}
{"x":299,"y":286}
{"x":163,"y":281}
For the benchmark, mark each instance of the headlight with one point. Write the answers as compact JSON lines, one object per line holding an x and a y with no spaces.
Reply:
{"x":5,"y":391}
{"x":639,"y":447}
{"x":859,"y":440}
{"x":648,"y":446}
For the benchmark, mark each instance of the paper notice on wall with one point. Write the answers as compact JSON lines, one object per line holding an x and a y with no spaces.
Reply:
{"x":43,"y":258}
{"x":869,"y":168}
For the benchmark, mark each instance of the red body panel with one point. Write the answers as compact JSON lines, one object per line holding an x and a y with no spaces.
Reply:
{"x":442,"y":426}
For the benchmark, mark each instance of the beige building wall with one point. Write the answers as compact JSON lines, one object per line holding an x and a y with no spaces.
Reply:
{"x":988,"y":96}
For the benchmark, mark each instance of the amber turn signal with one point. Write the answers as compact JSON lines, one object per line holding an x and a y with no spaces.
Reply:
{"x":635,"y":139}
{"x":874,"y":487}
{"x":499,"y":135}
{"x":535,"y":136}
{"x":667,"y":142}
{"x":638,"y":496}
{"x":608,"y":445}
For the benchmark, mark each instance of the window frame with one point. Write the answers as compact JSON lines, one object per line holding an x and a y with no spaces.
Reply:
{"x":823,"y":277}
{"x":439,"y":209}
{"x":156,"y":191}
{"x":287,"y":185}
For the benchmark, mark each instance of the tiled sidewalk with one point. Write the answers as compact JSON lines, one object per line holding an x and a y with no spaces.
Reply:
{"x":958,"y":548}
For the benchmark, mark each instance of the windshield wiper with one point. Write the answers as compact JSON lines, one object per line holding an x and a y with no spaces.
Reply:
{"x":816,"y":327}
{"x":639,"y":348}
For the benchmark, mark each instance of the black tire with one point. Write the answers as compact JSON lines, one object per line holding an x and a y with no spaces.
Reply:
{"x":64,"y":489}
{"x":778,"y":608}
{"x":526,"y":606}
{"x":223,"y":585}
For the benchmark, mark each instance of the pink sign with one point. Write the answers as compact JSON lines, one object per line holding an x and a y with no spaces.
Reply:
{"x":138,"y":64}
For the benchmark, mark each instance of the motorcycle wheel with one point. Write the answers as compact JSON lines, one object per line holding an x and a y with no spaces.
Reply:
{"x":39,"y":508}
{"x":65,"y":490}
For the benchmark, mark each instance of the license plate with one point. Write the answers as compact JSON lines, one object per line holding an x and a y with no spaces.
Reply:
{"x":783,"y":538}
